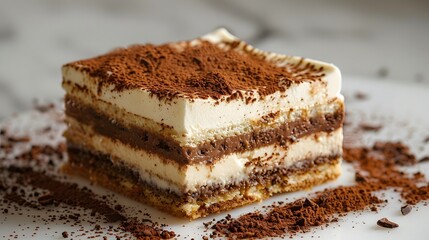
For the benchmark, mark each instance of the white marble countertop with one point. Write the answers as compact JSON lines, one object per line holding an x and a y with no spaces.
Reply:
{"x":376,"y":39}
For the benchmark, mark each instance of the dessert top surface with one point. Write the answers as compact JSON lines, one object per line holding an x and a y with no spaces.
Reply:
{"x":215,"y":66}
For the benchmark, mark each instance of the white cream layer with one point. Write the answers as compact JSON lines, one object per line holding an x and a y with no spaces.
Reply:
{"x":230,"y":169}
{"x":195,"y":117}
{"x":128,"y":119}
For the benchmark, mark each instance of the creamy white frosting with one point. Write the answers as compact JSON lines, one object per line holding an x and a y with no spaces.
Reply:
{"x":230,"y":169}
{"x":193,"y":117}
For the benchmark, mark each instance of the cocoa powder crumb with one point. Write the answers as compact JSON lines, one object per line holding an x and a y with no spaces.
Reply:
{"x":361,"y":96}
{"x":384,"y":222}
{"x":15,"y":139}
{"x":359,"y":177}
{"x":46,"y":199}
{"x":118,"y":207}
{"x":370,"y":127}
{"x":44,"y":107}
{"x":406,"y":209}
{"x":424,"y":159}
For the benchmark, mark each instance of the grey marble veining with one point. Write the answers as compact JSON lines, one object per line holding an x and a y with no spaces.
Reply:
{"x":381,"y":39}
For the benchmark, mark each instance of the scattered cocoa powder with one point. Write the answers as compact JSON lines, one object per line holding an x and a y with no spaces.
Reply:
{"x":142,"y":230}
{"x":61,"y":192}
{"x":298,"y":216}
{"x":72,"y":195}
{"x":377,"y":169}
{"x":30,"y":179}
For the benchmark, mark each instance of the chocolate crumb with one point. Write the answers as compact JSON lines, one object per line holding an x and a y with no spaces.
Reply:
{"x":384,"y":222}
{"x":65,"y":234}
{"x":46,"y":200}
{"x":44,"y":107}
{"x":15,"y":139}
{"x":118,"y":207}
{"x":360,"y":178}
{"x":424,"y":159}
{"x":309,"y":203}
{"x":361,"y":96}
{"x":406,"y":209}
{"x":370,"y":127}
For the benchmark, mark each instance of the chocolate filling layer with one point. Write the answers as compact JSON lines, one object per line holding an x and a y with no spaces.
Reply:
{"x":206,"y":152}
{"x":102,"y":163}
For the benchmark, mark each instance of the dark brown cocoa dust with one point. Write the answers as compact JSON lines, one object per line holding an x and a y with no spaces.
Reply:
{"x":370,"y":127}
{"x":28,"y":185}
{"x":377,"y":169}
{"x":361,"y":96}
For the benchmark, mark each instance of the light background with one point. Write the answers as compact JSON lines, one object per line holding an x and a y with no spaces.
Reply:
{"x":383,"y":39}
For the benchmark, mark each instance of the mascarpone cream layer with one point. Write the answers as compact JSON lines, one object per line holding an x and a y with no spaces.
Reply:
{"x":191,"y":117}
{"x":232,"y":168}
{"x":246,"y":126}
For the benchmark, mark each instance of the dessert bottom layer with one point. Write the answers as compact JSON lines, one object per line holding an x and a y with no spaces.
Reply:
{"x":99,"y":169}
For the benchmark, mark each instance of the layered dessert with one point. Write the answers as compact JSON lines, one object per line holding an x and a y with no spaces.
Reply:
{"x":202,"y":126}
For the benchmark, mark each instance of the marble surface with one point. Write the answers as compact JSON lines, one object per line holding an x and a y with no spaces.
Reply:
{"x":387,"y":40}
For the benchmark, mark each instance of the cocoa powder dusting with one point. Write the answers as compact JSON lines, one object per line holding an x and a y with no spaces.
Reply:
{"x":377,"y":169}
{"x":298,"y":216}
{"x":201,"y":71}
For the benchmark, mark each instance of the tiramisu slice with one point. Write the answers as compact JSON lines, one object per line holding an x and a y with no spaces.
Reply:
{"x":203,"y":126}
